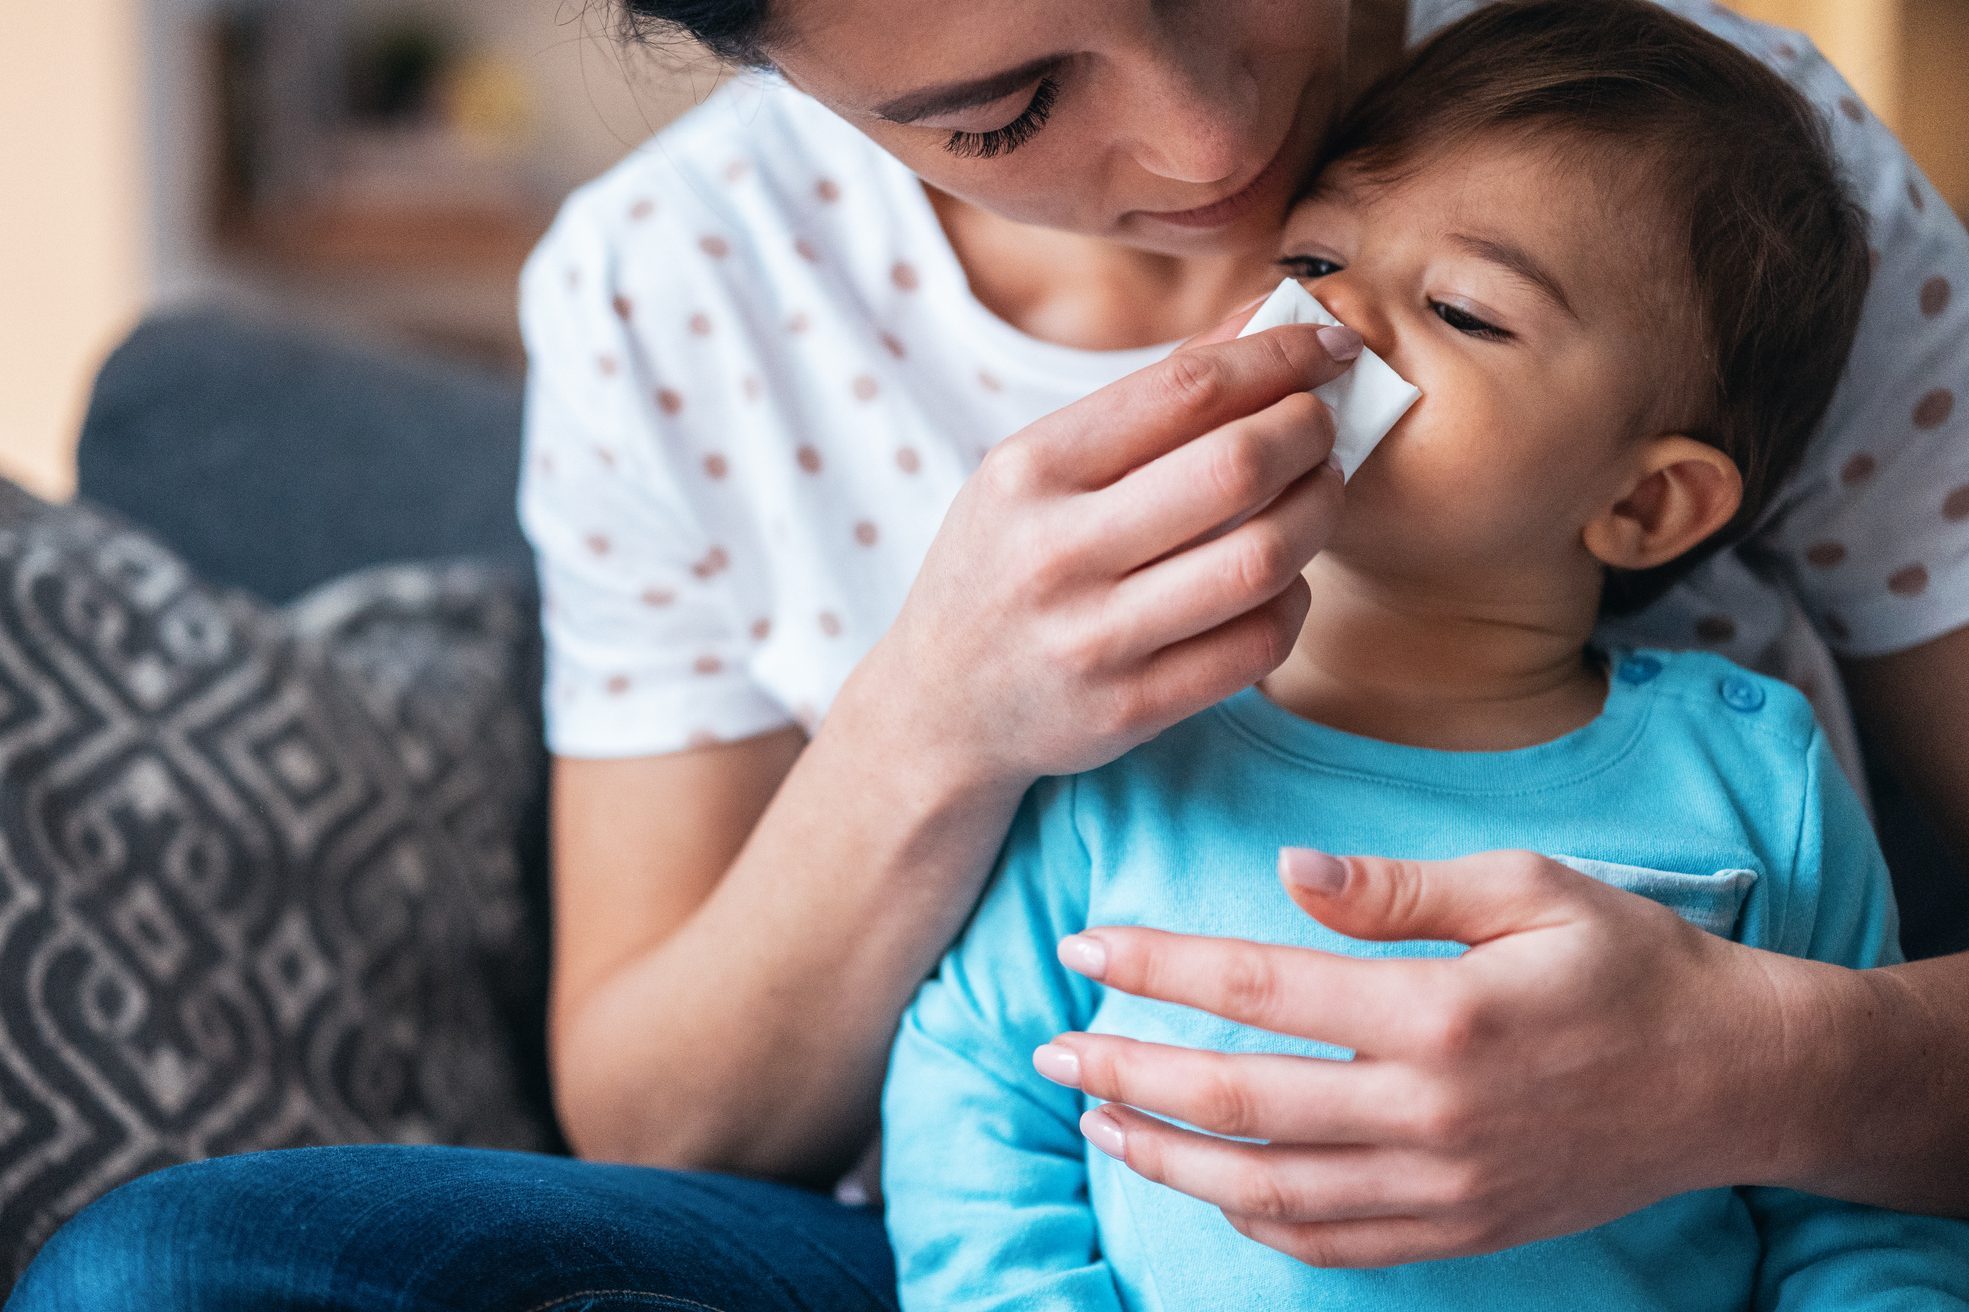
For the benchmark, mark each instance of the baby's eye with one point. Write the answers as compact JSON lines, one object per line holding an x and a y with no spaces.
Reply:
{"x":1310,"y":266}
{"x":1465,"y":322}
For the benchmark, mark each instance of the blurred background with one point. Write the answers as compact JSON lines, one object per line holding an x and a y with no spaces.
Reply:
{"x":382,"y":166}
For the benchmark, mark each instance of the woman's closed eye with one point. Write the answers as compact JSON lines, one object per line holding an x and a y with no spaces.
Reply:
{"x":1004,"y":140}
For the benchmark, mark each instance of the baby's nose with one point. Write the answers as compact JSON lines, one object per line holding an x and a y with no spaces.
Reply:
{"x":1349,"y":301}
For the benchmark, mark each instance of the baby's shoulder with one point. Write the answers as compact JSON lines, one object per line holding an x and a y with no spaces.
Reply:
{"x":1712,"y":698}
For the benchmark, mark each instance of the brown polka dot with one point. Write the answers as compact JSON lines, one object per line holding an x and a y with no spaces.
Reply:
{"x":544,"y":463}
{"x":606,"y":456}
{"x":797,"y":324}
{"x":707,"y":665}
{"x":607,"y":364}
{"x":1835,"y":628}
{"x":701,"y":738}
{"x":903,"y":274}
{"x":658,"y":596}
{"x":736,"y":170}
{"x":1935,"y":296}
{"x":752,"y":387}
{"x":827,"y":190}
{"x":1909,"y":582}
{"x":806,"y":250}
{"x":599,"y":543}
{"x":1826,"y":555}
{"x":617,"y":684}
{"x":809,"y":459}
{"x":1915,"y":197}
{"x":1955,"y":506}
{"x":1716,"y":628}
{"x":574,"y":280}
{"x":865,"y":533}
{"x":907,"y":460}
{"x":989,"y":382}
{"x":715,"y":466}
{"x":761,"y":629}
{"x":714,"y":560}
{"x":716,"y":247}
{"x":830,"y":624}
{"x":1935,"y":409}
{"x":865,"y":388}
{"x":642,"y":209}
{"x":669,"y":400}
{"x":1858,"y":470}
{"x":625,"y":308}
{"x":1786,"y":50}
{"x":700,"y":325}
{"x":1851,"y":109}
{"x":893,"y":345}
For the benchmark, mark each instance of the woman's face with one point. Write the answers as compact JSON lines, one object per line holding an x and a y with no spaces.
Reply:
{"x":1176,"y":126}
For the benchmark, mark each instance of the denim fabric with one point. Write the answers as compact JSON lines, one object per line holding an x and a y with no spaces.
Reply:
{"x":396,"y":1229}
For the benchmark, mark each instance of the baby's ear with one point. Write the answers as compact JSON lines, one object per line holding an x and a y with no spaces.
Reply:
{"x":1681,"y":491}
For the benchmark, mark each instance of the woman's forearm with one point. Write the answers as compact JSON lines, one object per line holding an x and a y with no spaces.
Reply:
{"x":1874,"y":1086}
{"x":797,"y":966}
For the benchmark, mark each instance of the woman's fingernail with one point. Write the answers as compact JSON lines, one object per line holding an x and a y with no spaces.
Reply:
{"x":1089,"y":956}
{"x":1058,"y":1064}
{"x":1342,"y":342}
{"x":1102,"y":1131}
{"x":1316,"y":872}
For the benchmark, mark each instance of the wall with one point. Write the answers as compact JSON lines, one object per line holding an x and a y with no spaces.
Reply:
{"x":72,"y":245}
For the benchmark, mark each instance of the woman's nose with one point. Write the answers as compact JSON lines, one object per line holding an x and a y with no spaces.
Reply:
{"x":1196,"y":124}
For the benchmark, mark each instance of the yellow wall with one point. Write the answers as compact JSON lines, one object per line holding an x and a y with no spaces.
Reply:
{"x":72,"y":223}
{"x":1861,"y":37}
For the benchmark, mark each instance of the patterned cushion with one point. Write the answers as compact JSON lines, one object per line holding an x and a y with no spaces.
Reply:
{"x":259,"y":870}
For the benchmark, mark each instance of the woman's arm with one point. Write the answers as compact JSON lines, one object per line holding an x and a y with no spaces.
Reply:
{"x":1900,"y":1108}
{"x":738,"y":928}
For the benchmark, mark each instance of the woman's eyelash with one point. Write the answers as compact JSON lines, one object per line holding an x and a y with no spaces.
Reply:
{"x":1465,"y":322}
{"x":1003,"y":141}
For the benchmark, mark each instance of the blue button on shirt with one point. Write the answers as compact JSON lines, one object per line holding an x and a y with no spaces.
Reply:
{"x":1742,"y":823}
{"x":1740,"y":694}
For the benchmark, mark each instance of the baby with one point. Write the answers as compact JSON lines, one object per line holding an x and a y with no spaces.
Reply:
{"x":1613,"y":254}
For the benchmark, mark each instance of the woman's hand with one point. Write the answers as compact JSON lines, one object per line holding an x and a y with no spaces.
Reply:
{"x":1591,"y":1054}
{"x":1075,"y":602}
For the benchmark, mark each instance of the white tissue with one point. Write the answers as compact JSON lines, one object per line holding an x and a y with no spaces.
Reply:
{"x":1367,"y":400}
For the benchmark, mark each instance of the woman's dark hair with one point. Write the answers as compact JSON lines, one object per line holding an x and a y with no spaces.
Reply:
{"x":736,"y":31}
{"x":1743,"y":187}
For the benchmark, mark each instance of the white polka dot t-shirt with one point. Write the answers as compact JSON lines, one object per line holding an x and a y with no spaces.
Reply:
{"x":758,"y":377}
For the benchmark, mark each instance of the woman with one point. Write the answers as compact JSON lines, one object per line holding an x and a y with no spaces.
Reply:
{"x":768,"y":361}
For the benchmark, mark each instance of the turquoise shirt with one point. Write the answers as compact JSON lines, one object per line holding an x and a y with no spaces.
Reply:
{"x":1701,"y":785}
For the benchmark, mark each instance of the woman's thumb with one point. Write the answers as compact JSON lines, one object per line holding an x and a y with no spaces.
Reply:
{"x":1469,"y":899}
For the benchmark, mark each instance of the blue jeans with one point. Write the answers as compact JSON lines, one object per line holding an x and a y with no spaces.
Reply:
{"x":402,"y":1228}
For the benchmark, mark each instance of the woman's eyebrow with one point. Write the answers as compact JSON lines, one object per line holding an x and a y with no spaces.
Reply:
{"x":1516,"y":261}
{"x":964,"y":95}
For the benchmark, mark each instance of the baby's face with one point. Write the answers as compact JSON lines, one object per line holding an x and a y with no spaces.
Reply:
{"x":1504,"y":281}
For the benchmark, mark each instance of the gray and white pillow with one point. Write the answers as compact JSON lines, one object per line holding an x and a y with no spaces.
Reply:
{"x":260,"y":870}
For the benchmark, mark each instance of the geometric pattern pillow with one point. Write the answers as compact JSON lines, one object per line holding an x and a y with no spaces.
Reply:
{"x":260,"y":870}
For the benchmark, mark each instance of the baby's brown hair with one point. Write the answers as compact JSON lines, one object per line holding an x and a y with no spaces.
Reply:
{"x":1774,"y":249}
